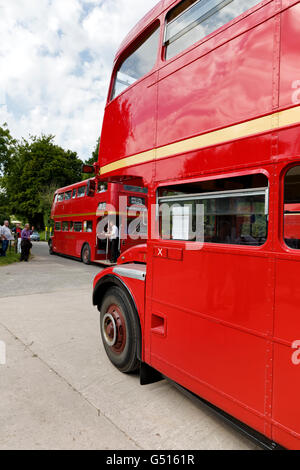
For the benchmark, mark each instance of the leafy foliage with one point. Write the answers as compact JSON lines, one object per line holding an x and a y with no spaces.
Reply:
{"x":35,"y":169}
{"x":7,"y":144}
{"x":30,"y":172}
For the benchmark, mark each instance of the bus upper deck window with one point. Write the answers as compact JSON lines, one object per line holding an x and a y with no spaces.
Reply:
{"x":192,"y":20}
{"x":77,"y":226}
{"x":74,"y":193}
{"x":138,"y":64}
{"x":292,"y":208}
{"x":65,"y":226}
{"x":81,"y":191}
{"x":102,"y":187}
{"x":68,"y":195}
{"x":60,"y":197}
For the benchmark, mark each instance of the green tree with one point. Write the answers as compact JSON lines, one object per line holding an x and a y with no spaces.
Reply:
{"x":93,"y":159}
{"x":36,"y":167}
{"x":7,"y":144}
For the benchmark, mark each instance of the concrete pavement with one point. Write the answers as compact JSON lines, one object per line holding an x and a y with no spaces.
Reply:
{"x":58,"y":390}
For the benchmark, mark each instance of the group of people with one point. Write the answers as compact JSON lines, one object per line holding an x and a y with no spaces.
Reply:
{"x":22,"y":236}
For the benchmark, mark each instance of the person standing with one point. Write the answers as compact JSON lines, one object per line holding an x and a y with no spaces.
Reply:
{"x":25,"y":242}
{"x":113,"y":234}
{"x":17,"y":230}
{"x":6,"y":237}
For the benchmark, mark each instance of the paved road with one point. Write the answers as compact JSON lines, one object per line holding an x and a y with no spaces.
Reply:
{"x":59,"y":391}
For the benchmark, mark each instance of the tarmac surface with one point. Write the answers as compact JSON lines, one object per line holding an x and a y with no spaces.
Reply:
{"x":58,"y":389}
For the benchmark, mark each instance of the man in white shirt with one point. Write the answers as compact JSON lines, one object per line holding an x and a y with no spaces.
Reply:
{"x":113,"y":234}
{"x":6,"y":236}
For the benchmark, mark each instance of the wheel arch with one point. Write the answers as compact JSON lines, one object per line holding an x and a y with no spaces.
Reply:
{"x":102,"y":286}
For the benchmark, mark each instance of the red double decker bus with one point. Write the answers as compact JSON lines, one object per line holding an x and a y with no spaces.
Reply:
{"x":81,"y":213}
{"x":205,"y":97}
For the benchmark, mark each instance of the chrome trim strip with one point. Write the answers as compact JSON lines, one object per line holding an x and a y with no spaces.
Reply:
{"x":130,"y":272}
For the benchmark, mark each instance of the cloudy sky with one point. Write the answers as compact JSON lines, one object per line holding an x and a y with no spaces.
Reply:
{"x":55,"y":65}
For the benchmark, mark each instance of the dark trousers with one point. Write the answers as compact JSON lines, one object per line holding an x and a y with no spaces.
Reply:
{"x":114,"y":253}
{"x":25,"y":249}
{"x":4,"y":247}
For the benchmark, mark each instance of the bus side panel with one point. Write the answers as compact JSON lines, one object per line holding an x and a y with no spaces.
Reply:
{"x":229,"y":84}
{"x":129,"y":122}
{"x":209,"y":317}
{"x":290,"y":63}
{"x":286,"y":412}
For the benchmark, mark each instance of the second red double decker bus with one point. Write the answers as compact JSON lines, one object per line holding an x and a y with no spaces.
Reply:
{"x":81,"y":213}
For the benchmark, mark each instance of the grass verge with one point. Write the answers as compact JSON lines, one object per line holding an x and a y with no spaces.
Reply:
{"x":11,"y":257}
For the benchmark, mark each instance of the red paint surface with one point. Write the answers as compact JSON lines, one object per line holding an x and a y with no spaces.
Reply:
{"x":228,"y":314}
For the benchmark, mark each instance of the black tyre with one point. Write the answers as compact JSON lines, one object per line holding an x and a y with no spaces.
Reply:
{"x":119,"y":330}
{"x":86,"y":254}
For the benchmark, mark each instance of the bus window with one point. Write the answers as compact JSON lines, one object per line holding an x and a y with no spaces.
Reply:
{"x":65,"y":226}
{"x":102,"y":187}
{"x":60,"y":197}
{"x":192,"y":20}
{"x":77,"y":226}
{"x":138,"y":64}
{"x":292,"y":208}
{"x":74,"y":193}
{"x":135,"y":189}
{"x":81,"y":191}
{"x":88,"y":226}
{"x":134,"y":200}
{"x":237,"y":214}
{"x":71,"y":227}
{"x":57,"y":226}
{"x":55,"y":198}
{"x":68,"y":195}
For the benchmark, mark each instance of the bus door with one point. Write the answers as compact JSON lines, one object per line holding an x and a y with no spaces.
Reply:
{"x":103,"y":246}
{"x":209,"y":305}
{"x":286,"y":369}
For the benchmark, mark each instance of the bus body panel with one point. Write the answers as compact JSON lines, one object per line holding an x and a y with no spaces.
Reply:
{"x":231,"y":84}
{"x":129,"y":126}
{"x":289,"y":58}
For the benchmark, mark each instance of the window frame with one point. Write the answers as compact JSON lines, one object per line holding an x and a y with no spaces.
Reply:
{"x":128,"y":51}
{"x":68,"y":192}
{"x":235,"y":20}
{"x":283,"y":244}
{"x":78,"y":231}
{"x":84,"y":194}
{"x":212,"y":245}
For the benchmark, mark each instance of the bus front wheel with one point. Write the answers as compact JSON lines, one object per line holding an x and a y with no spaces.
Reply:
{"x":119,"y":330}
{"x":86,"y":254}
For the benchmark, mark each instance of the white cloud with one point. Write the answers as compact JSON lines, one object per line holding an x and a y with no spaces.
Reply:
{"x":55,"y":65}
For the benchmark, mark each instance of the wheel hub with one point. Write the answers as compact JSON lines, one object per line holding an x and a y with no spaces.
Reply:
{"x":114,"y":329}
